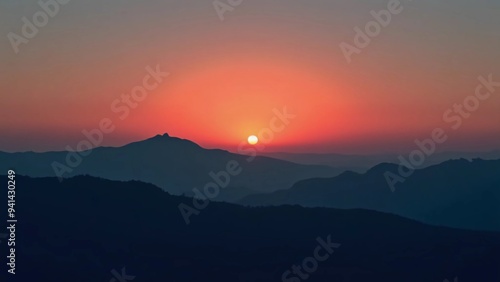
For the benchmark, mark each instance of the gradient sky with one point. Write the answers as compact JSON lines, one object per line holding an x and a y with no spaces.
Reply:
{"x":226,"y":77}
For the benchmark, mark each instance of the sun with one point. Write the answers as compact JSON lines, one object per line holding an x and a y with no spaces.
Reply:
{"x":252,"y":140}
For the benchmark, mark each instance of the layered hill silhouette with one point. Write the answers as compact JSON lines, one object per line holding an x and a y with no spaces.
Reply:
{"x":89,"y":229}
{"x":174,"y":164}
{"x":362,"y":163}
{"x":455,"y":193}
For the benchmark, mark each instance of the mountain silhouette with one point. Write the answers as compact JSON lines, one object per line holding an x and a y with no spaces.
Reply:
{"x":174,"y":164}
{"x":455,"y":193}
{"x":361,"y":163}
{"x":91,"y":229}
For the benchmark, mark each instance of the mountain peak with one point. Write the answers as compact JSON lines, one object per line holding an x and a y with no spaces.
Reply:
{"x":159,"y":136}
{"x":165,"y":139}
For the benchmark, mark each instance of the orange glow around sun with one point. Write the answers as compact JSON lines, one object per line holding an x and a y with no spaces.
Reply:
{"x":221,"y":104}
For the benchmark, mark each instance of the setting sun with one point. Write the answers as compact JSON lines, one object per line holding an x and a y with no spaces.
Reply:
{"x":252,"y":140}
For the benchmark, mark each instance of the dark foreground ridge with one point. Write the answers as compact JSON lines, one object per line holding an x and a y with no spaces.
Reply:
{"x":90,"y":229}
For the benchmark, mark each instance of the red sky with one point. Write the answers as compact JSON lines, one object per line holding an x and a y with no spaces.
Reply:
{"x":227,"y":77}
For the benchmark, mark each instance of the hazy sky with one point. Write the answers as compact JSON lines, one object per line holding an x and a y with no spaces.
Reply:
{"x":226,"y":76}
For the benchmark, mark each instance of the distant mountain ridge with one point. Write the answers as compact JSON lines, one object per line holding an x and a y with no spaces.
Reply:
{"x":361,"y":163}
{"x":455,"y":193}
{"x":174,"y":164}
